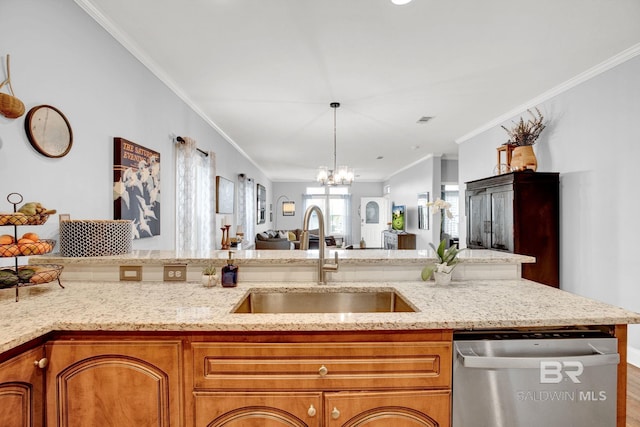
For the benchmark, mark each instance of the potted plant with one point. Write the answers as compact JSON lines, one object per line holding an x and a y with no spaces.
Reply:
{"x":522,"y":136}
{"x":447,"y":261}
{"x":209,"y":276}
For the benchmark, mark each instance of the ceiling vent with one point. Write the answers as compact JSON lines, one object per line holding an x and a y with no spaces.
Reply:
{"x":424,"y":119}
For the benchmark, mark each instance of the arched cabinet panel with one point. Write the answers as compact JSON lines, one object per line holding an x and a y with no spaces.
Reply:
{"x":384,"y":409}
{"x":275,"y":409}
{"x":21,"y":391}
{"x":94,"y":383}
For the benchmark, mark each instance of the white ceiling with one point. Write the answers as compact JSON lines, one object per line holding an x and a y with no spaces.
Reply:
{"x":264,"y":71}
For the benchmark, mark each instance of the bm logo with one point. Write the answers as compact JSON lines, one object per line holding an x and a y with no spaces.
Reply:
{"x":552,"y":372}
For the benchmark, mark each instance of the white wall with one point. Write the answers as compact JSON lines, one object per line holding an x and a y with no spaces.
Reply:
{"x":593,"y":141}
{"x":60,"y":56}
{"x":295,"y":190}
{"x":405,"y":186}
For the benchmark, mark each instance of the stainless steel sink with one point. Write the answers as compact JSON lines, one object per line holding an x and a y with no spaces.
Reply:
{"x":306,"y":301}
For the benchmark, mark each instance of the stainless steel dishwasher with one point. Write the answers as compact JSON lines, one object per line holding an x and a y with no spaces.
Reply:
{"x":548,"y":379}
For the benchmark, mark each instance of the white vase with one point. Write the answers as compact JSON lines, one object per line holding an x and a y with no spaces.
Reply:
{"x":209,"y":280}
{"x":442,"y":278}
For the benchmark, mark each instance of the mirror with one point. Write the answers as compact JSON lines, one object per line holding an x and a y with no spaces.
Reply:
{"x":262,"y":204}
{"x":48,"y":131}
{"x":423,"y":211}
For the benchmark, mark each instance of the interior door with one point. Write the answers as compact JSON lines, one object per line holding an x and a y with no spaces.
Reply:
{"x":373,"y":220}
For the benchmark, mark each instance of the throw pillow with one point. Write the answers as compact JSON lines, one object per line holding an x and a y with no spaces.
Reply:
{"x":262,"y":236}
{"x":292,"y":236}
{"x":283,"y":235}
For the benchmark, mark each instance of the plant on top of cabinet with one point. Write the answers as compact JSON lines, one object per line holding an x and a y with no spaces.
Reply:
{"x":526,"y":133}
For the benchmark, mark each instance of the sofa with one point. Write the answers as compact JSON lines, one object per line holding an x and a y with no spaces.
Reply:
{"x":274,"y":240}
{"x":289,"y":239}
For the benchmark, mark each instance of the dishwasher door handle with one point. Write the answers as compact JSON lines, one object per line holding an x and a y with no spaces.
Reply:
{"x":472,"y":360}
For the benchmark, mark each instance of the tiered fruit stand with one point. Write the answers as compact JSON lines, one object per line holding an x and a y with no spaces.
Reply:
{"x":32,"y":274}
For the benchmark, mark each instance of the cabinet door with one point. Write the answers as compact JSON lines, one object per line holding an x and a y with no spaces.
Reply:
{"x":384,"y":409}
{"x":479,"y":225}
{"x":114,"y":383}
{"x":21,"y":391}
{"x":258,"y":409}
{"x":502,"y":218}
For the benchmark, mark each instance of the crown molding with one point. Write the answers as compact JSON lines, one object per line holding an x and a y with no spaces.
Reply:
{"x":610,"y":63}
{"x":156,"y":70}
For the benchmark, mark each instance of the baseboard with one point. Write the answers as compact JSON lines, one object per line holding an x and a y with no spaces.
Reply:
{"x":633,"y":356}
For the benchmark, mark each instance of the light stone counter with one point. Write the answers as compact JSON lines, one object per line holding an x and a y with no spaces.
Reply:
{"x":277,"y":257}
{"x":160,"y":306}
{"x":293,"y":266}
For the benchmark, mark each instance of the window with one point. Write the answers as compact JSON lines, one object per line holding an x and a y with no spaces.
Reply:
{"x":450,"y":226}
{"x":335,"y":204}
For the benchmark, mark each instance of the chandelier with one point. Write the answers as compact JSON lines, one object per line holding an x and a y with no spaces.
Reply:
{"x":342,"y":175}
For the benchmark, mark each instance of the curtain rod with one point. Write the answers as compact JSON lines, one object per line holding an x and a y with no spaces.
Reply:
{"x":182,"y":141}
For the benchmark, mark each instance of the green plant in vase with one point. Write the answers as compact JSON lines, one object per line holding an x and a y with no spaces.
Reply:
{"x":447,"y":261}
{"x":209,"y":275}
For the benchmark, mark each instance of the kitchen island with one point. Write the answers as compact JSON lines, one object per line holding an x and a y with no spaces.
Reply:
{"x":199,"y":363}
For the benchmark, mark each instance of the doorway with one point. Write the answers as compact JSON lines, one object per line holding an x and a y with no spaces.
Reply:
{"x":374,"y":216}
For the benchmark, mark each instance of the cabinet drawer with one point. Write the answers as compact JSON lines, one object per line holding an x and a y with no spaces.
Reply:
{"x":322,"y":366}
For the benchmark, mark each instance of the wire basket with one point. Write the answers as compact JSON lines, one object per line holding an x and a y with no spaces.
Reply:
{"x":22,"y":219}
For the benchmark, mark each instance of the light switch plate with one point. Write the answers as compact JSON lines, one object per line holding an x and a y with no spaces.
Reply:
{"x":130,"y":273}
{"x":175,"y":273}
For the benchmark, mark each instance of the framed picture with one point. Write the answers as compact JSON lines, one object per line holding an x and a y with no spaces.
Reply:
{"x":136,"y":187}
{"x":398,"y":217}
{"x":261,"y":204}
{"x":225,"y":192}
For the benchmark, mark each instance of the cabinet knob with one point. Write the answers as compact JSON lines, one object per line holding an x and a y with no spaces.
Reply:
{"x":311,"y":411}
{"x":335,"y":414}
{"x":42,"y":363}
{"x":323,"y":371}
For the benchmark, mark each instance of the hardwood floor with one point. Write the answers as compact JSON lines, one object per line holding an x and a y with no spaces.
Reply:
{"x":633,"y":396}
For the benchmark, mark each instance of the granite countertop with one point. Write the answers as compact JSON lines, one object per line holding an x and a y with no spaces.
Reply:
{"x":293,"y":257}
{"x":159,"y":306}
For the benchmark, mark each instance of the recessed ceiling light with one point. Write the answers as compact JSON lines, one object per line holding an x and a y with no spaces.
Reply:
{"x":400,"y":2}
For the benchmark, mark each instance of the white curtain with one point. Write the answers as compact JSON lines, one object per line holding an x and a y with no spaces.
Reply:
{"x":195,"y":198}
{"x":247,"y":207}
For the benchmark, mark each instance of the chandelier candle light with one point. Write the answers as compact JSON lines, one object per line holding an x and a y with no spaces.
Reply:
{"x":336,"y":176}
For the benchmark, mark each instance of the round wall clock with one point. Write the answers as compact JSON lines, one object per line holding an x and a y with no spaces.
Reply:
{"x":48,"y":131}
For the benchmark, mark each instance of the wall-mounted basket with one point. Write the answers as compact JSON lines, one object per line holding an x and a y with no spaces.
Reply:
{"x":10,"y":106}
{"x":88,"y":238}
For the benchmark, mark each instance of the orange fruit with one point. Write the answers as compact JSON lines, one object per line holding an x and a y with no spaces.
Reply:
{"x":45,"y":247}
{"x":29,"y":248}
{"x":9,"y":250}
{"x":24,"y":241}
{"x":7,"y":239}
{"x":31,"y":236}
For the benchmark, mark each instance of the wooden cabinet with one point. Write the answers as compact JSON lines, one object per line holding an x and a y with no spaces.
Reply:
{"x":109,"y":382}
{"x":236,"y":409}
{"x":519,"y":213}
{"x":313,"y":381}
{"x":22,"y":390}
{"x":399,"y":240}
{"x":384,"y":409}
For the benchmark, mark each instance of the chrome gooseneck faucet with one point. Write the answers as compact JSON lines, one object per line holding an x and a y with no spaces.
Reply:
{"x":304,"y":243}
